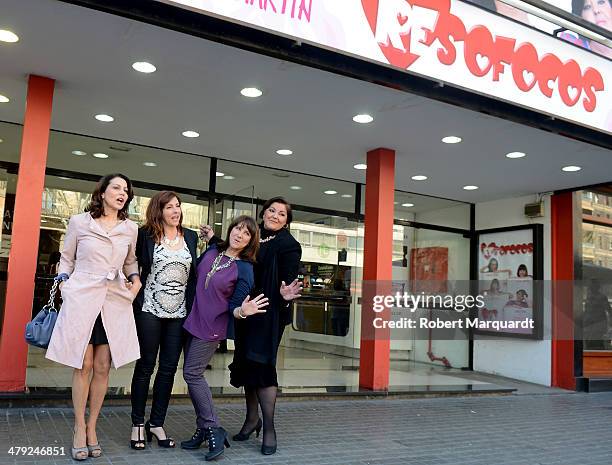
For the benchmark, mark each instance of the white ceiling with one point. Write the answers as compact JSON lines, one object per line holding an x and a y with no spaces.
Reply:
{"x":197,"y":87}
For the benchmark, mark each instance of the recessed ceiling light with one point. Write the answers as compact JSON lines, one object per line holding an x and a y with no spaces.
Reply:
{"x":100,"y":155}
{"x":330,"y":192}
{"x":8,"y":36}
{"x":219,"y":174}
{"x":470,"y":188}
{"x":451,"y":139}
{"x":408,"y":204}
{"x":346,"y":196}
{"x":1,"y":140}
{"x":218,"y":224}
{"x":150,"y":163}
{"x":515,"y":155}
{"x":4,"y":99}
{"x":191,"y":134}
{"x":295,"y":188}
{"x":571,"y":168}
{"x":64,"y":178}
{"x":144,"y":67}
{"x":251,"y":92}
{"x":363,"y":118}
{"x":80,"y":153}
{"x":360,"y":166}
{"x":228,"y":177}
{"x":284,"y":152}
{"x":105,"y":118}
{"x":419,"y":177}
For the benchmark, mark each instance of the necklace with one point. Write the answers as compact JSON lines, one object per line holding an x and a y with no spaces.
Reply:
{"x":267,"y":239}
{"x":216,"y":266}
{"x":171,"y":242}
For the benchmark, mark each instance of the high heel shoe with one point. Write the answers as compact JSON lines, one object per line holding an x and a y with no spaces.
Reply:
{"x":138,"y":444}
{"x":247,"y":435}
{"x":269,"y":450}
{"x":196,"y":440}
{"x":217,"y":442}
{"x":75,"y":451}
{"x":168,"y":443}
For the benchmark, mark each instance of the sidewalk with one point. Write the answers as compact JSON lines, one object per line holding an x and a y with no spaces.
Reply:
{"x":560,"y":429}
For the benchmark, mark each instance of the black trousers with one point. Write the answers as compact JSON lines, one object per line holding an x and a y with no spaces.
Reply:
{"x":166,"y":337}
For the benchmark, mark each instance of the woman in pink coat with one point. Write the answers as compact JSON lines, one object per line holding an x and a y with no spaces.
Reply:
{"x":96,"y":324}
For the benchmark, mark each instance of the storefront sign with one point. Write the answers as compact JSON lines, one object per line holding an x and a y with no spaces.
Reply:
{"x":509,"y":276}
{"x":446,"y":40}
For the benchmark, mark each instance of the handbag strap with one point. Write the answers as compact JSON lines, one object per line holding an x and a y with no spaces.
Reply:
{"x":51,"y":304}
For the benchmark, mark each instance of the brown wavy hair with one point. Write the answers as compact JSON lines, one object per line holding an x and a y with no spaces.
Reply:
{"x":96,"y":204}
{"x":249,"y":253}
{"x":154,"y":223}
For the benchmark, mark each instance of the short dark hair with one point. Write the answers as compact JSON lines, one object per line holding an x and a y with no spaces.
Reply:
{"x":282,"y":200}
{"x":249,"y":253}
{"x":522,"y":267}
{"x":96,"y":205}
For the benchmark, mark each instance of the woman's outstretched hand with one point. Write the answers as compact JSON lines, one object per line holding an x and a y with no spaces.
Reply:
{"x":253,"y":306}
{"x":292,"y":291}
{"x":206,"y":232}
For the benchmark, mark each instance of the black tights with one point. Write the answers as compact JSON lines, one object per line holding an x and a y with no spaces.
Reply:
{"x":264,"y":397}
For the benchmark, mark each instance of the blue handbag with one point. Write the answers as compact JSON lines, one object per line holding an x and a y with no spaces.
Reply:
{"x":38,"y":331}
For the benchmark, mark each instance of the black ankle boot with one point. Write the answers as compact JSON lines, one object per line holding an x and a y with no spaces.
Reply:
{"x":196,"y":440}
{"x":217,"y":442}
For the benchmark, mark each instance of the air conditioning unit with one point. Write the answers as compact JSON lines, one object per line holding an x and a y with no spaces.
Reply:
{"x":534,"y":210}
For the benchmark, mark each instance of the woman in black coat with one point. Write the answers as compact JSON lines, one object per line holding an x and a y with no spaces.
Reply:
{"x":166,"y":254}
{"x":258,"y":337}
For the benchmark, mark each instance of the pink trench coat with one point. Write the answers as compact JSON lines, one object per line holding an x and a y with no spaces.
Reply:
{"x":97,"y":263}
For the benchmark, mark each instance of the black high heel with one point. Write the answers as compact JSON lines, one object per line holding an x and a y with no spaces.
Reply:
{"x":217,"y":442}
{"x":140,"y":443}
{"x":168,"y":443}
{"x":247,"y":435}
{"x":269,"y":450}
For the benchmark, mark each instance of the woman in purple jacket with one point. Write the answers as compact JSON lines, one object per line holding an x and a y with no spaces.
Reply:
{"x":224,"y":281}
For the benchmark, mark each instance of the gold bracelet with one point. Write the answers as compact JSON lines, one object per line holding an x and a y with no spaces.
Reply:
{"x":240,"y":314}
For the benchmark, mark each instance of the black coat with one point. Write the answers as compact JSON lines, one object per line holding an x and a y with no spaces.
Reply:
{"x":144,"y":253}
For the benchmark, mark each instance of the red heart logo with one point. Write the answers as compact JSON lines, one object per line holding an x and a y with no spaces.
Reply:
{"x":396,"y":57}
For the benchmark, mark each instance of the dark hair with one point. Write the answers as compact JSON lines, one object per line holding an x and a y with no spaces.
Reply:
{"x":96,"y":204}
{"x":154,"y":223}
{"x":249,"y":253}
{"x":578,"y":5}
{"x":495,"y":280}
{"x":277,"y":200}
{"x":522,"y":267}
{"x":491,"y":261}
{"x":522,"y":292}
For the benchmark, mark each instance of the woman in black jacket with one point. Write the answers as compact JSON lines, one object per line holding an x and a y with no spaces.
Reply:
{"x":258,"y":337}
{"x":166,"y":254}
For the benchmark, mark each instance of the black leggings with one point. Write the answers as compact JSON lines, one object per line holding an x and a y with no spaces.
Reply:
{"x":166,"y":336}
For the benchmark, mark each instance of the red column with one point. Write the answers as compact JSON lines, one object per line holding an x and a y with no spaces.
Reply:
{"x":25,"y":233}
{"x":563,"y":239}
{"x":377,"y":267}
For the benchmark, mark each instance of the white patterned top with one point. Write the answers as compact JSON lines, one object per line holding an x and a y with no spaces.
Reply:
{"x":164,"y":294}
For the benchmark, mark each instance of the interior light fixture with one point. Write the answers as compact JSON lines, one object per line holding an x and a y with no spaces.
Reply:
{"x":407,"y":205}
{"x":80,"y":153}
{"x":4,"y":99}
{"x":284,"y":152}
{"x":144,"y":67}
{"x":251,"y":92}
{"x":360,"y":166}
{"x":451,"y":139}
{"x":150,"y":164}
{"x":1,"y":140}
{"x":100,"y":155}
{"x":218,"y":224}
{"x":295,"y":188}
{"x":346,"y":196}
{"x":219,"y":174}
{"x":228,"y":177}
{"x":470,"y":188}
{"x":8,"y":36}
{"x":571,"y":168}
{"x":330,"y":192}
{"x":191,"y":134}
{"x":516,"y":155}
{"x":363,"y":118}
{"x":105,"y":118}
{"x":419,"y":177}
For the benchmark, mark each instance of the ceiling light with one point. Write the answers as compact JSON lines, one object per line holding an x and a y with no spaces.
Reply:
{"x":105,"y":118}
{"x":191,"y":134}
{"x":150,"y":163}
{"x":80,"y":153}
{"x":571,"y":168}
{"x":4,"y":99}
{"x":1,"y":140}
{"x":251,"y":92}
{"x":218,"y":224}
{"x":470,"y":188}
{"x":228,"y":177}
{"x":295,"y":188}
{"x":408,"y":205}
{"x":515,"y":155}
{"x":346,"y":196}
{"x":219,"y":212}
{"x":360,"y":166}
{"x":419,"y":177}
{"x":363,"y":118}
{"x":284,"y":152}
{"x":144,"y":67}
{"x":219,"y":174}
{"x":64,"y":178}
{"x":100,"y":155}
{"x":330,"y":192}
{"x":8,"y":36}
{"x":451,"y":140}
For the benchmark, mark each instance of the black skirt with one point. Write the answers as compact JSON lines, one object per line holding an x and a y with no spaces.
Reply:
{"x":248,"y":373}
{"x":98,"y":335}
